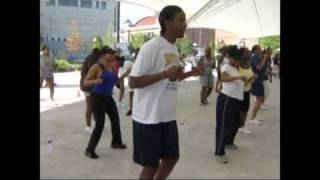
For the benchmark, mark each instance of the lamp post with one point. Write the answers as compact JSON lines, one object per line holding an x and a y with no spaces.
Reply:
{"x":194,"y":45}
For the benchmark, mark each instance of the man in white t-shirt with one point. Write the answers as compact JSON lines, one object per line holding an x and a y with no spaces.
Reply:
{"x":154,"y":76}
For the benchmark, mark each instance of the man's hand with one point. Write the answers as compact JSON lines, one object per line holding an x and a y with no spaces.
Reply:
{"x":198,"y":71}
{"x":173,"y":72}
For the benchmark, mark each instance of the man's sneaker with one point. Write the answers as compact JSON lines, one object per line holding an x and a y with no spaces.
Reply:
{"x":118,"y":146}
{"x":88,"y":129}
{"x":255,"y":122}
{"x":222,"y":159}
{"x":91,"y":155}
{"x":244,"y":130}
{"x":232,"y":146}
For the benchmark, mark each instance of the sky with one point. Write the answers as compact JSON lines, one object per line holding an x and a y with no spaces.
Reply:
{"x":133,"y":12}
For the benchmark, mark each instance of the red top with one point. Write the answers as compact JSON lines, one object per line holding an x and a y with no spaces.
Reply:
{"x":116,"y":68}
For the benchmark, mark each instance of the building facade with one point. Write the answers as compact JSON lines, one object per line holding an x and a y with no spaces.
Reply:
{"x":200,"y":37}
{"x":148,"y":25}
{"x":92,"y":17}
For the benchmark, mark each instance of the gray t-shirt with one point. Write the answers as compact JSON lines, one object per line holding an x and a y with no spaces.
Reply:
{"x":47,"y":64}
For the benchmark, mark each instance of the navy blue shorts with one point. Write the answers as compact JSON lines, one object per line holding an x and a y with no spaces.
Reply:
{"x":257,"y":89}
{"x":152,"y":142}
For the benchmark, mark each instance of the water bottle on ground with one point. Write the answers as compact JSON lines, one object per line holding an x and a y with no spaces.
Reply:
{"x":49,"y":144}
{"x":181,"y":125}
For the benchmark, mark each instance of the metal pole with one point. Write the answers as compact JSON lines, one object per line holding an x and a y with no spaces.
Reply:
{"x":200,"y":37}
{"x":50,"y":23}
{"x":118,"y":21}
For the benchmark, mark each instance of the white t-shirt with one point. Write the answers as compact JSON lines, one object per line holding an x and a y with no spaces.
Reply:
{"x":155,"y":103}
{"x":235,"y":88}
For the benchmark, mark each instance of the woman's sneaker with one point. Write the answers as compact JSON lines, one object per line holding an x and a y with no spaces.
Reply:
{"x":222,"y":159}
{"x":118,"y":146}
{"x":244,"y":130}
{"x":203,"y":103}
{"x":231,"y":146}
{"x":88,"y":129}
{"x":206,"y":101}
{"x":255,"y":122}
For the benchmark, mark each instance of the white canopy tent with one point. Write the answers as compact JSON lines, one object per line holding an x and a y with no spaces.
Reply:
{"x":246,"y":18}
{"x":190,"y":7}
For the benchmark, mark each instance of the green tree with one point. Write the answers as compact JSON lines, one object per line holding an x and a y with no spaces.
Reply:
{"x":74,"y":41}
{"x":137,"y":40}
{"x":272,"y":41}
{"x":148,"y":37}
{"x":109,"y":39}
{"x":97,"y":42}
{"x":185,"y":45}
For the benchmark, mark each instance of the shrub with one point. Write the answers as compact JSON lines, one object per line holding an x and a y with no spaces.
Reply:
{"x":63,"y":65}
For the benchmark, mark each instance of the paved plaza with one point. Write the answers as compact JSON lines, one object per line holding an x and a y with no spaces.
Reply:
{"x":258,"y":155}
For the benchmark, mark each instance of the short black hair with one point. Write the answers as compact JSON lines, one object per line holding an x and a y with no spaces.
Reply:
{"x":242,"y":50}
{"x":95,"y":51}
{"x":105,"y":46}
{"x":167,"y":13}
{"x":106,"y":50}
{"x":223,"y":49}
{"x":234,"y":52}
{"x":44,"y":47}
{"x":255,"y":47}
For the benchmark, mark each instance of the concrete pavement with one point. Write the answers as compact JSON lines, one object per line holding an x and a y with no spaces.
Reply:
{"x":258,"y":156}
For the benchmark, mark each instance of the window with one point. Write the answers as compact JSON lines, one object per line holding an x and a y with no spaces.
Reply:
{"x":103,"y":5}
{"x":86,"y":4}
{"x":97,"y":4}
{"x":52,"y":39}
{"x":51,"y":2}
{"x":72,"y":3}
{"x":64,"y":39}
